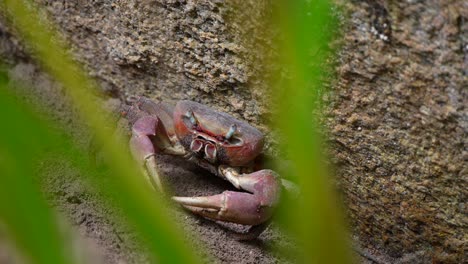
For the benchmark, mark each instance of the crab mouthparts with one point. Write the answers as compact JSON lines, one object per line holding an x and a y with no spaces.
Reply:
{"x":204,"y":147}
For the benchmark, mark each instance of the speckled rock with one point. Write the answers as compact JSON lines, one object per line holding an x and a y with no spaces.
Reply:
{"x":168,"y":50}
{"x":399,"y":126}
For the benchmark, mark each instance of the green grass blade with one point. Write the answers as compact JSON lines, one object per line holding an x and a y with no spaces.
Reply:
{"x":30,"y":223}
{"x":141,"y":206}
{"x":314,"y":219}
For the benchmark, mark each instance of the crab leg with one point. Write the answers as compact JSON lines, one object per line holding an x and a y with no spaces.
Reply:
{"x":250,"y":208}
{"x":148,"y":138}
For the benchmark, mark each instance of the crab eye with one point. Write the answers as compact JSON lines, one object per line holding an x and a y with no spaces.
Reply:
{"x":231,"y":132}
{"x":190,"y":120}
{"x":232,"y":136}
{"x":191,"y":117}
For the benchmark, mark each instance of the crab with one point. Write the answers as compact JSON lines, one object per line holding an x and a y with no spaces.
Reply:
{"x":215,"y":141}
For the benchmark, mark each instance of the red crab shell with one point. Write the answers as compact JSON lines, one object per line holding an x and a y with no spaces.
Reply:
{"x":212,"y":126}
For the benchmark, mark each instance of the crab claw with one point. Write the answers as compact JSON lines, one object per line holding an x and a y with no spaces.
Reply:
{"x":148,"y":138}
{"x":249,"y":208}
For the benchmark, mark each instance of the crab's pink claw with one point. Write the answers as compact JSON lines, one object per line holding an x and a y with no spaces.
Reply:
{"x":249,"y":208}
{"x":148,"y":138}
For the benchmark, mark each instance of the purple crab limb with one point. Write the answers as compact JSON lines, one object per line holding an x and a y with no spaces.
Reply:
{"x":253,"y":207}
{"x":148,"y":138}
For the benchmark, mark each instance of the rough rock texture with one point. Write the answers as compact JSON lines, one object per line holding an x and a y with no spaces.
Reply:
{"x":398,"y":123}
{"x":167,"y":50}
{"x":400,"y":126}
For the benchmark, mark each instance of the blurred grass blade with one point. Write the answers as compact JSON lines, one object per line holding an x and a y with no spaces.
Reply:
{"x":29,"y":221}
{"x":315,"y":219}
{"x":132,"y":193}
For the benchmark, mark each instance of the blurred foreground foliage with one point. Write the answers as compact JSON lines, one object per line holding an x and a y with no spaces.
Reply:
{"x":314,"y":219}
{"x":29,"y":220}
{"x":142,"y":207}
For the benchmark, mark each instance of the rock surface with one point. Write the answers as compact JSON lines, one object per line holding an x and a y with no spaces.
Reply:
{"x":400,"y":126}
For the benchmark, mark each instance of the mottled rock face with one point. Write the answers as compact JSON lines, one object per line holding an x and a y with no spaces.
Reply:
{"x":171,"y":50}
{"x":398,"y":123}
